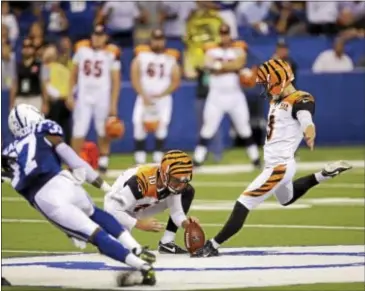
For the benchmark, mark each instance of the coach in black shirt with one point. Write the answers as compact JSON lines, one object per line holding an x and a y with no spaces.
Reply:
{"x":26,"y":86}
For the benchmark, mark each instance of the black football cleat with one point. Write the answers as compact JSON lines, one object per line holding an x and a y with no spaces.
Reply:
{"x":5,"y":282}
{"x":171,"y":248}
{"x":145,"y":255}
{"x":197,"y":164}
{"x":145,"y":276}
{"x":206,"y":251}
{"x":335,"y":168}
{"x":102,"y":170}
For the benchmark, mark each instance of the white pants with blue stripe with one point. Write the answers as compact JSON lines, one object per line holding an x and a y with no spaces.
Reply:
{"x":67,"y":205}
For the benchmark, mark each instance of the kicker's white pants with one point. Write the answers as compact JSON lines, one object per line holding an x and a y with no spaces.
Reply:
{"x":275,"y":180}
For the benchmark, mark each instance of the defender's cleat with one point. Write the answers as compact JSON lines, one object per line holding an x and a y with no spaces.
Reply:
{"x":206,"y":251}
{"x":335,"y":168}
{"x":140,"y":277}
{"x":145,"y":255}
{"x":170,"y":248}
{"x":149,"y":277}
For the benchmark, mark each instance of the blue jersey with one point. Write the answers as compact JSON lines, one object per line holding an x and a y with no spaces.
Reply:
{"x":36,"y":159}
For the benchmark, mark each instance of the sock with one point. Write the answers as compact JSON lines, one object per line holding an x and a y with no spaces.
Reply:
{"x":233,"y":224}
{"x":214,"y":243}
{"x":160,"y":144}
{"x":129,"y":242}
{"x":136,"y":262}
{"x":301,"y":186}
{"x":320,"y":178}
{"x":140,"y":154}
{"x":253,"y":152}
{"x":157,"y":157}
{"x":187,"y":197}
{"x":107,"y":222}
{"x":201,"y":150}
{"x":110,"y":247}
{"x":168,"y":236}
{"x":103,"y":161}
{"x":140,"y":157}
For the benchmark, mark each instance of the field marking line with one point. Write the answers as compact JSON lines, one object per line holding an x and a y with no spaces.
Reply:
{"x":330,"y":227}
{"x":238,"y":184}
{"x":246,"y":168}
{"x":42,"y":252}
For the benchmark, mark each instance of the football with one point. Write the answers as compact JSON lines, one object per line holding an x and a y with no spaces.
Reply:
{"x":194,"y":237}
{"x":114,"y":128}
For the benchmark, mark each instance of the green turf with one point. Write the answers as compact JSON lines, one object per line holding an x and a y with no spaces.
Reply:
{"x":307,"y":287}
{"x":45,"y":237}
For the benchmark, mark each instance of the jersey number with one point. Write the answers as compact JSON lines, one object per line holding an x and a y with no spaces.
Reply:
{"x":94,"y":69}
{"x":155,"y":70}
{"x":270,"y":127}
{"x":28,"y":147}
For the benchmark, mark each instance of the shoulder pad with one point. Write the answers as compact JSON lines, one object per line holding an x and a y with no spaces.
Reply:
{"x":116,"y":51}
{"x":210,"y":45}
{"x":49,"y":127}
{"x":82,"y":43}
{"x":174,"y":53}
{"x":141,"y":48}
{"x":146,"y":179}
{"x":299,"y":96}
{"x":240,"y":44}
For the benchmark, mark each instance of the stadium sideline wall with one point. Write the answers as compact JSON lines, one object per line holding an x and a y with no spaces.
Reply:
{"x":339,"y":112}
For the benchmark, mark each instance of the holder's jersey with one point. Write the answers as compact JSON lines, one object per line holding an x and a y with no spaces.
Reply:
{"x":95,"y":66}
{"x":36,"y":159}
{"x":155,"y":68}
{"x":142,"y":180}
{"x":284,"y":133}
{"x":230,"y":80}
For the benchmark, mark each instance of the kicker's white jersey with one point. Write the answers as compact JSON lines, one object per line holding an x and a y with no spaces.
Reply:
{"x":95,"y":66}
{"x":284,"y":133}
{"x":229,"y":80}
{"x":155,"y":68}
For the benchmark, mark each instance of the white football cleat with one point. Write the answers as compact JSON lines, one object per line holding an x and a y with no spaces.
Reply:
{"x":335,"y":168}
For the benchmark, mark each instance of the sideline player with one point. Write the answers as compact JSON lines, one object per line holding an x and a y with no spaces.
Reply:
{"x":145,"y":190}
{"x":225,"y":95}
{"x":155,"y":75}
{"x":96,"y":75}
{"x":289,"y":118}
{"x":58,"y":195}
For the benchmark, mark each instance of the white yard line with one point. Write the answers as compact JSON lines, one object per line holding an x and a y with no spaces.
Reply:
{"x":329,"y":227}
{"x":40,"y":252}
{"x":246,"y":168}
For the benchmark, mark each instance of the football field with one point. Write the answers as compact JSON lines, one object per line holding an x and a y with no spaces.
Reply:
{"x":318,"y":243}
